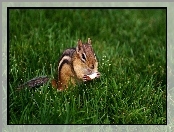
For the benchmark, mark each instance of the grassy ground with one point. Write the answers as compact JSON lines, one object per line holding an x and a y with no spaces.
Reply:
{"x":130,"y":46}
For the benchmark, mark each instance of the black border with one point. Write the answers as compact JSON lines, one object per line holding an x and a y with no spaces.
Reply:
{"x":8,"y":66}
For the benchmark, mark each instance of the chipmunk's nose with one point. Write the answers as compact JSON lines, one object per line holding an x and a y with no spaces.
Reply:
{"x":89,"y":71}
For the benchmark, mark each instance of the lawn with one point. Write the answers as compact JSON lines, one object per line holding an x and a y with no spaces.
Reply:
{"x":131,"y":48}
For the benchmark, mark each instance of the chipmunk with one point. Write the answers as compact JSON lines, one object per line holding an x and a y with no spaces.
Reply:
{"x":75,"y":65}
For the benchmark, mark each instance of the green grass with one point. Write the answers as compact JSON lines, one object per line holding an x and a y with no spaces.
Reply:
{"x":131,"y":49}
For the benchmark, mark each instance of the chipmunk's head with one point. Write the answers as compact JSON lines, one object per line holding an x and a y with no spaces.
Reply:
{"x":87,"y":56}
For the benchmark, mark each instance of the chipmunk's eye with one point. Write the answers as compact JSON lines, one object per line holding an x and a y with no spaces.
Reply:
{"x":83,"y":57}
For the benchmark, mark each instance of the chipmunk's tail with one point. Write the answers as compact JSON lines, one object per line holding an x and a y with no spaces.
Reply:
{"x":35,"y":82}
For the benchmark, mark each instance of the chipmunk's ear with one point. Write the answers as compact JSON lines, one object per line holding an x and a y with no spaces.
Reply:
{"x":79,"y":42}
{"x":89,"y":41}
{"x":79,"y":45}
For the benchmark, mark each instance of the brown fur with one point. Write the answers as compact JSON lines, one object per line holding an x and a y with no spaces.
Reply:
{"x":74,"y":71}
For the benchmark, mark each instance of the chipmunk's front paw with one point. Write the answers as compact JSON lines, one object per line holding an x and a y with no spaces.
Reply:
{"x":92,"y":76}
{"x":86,"y":78}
